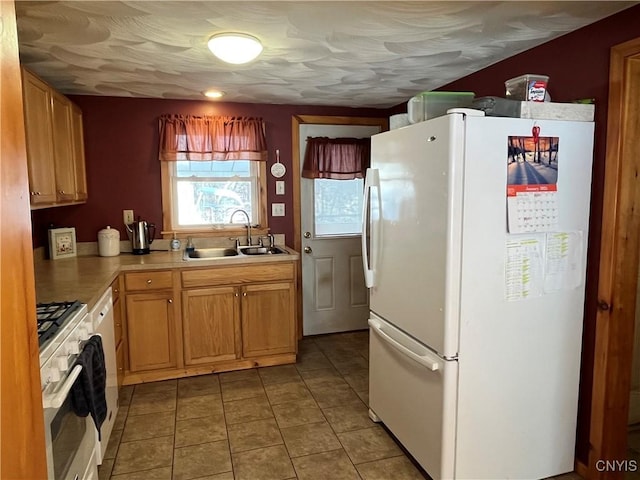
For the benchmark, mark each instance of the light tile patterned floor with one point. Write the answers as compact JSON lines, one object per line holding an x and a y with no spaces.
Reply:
{"x":305,"y":421}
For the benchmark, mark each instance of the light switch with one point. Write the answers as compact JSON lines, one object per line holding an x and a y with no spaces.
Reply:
{"x":277,"y":209}
{"x":280,"y":187}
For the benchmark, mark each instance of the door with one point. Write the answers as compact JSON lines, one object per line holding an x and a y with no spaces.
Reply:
{"x":414,"y":393}
{"x":618,"y":273}
{"x":334,"y":296}
{"x":21,"y":418}
{"x":150,"y":331}
{"x":210,"y":313}
{"x":267,"y":314}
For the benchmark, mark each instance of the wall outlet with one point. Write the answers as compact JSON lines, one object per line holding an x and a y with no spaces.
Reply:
{"x":280,"y":187}
{"x":127,"y":217}
{"x":277,"y":209}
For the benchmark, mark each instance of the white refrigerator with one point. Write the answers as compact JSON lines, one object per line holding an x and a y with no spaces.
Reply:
{"x":474,"y":254}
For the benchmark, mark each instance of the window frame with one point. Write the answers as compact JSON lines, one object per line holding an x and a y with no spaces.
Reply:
{"x":219,"y":230}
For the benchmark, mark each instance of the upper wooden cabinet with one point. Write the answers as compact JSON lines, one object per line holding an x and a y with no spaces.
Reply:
{"x":55,"y":145}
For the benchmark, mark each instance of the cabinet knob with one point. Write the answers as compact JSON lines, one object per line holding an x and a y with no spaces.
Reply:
{"x":115,"y":290}
{"x":170,"y":300}
{"x":237,"y":294}
{"x":244,"y":294}
{"x":149,"y":282}
{"x":61,"y":192}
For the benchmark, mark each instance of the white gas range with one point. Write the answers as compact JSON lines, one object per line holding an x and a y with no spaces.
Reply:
{"x":63,"y":327}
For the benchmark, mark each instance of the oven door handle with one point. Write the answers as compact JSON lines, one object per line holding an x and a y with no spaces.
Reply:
{"x":56,"y":400}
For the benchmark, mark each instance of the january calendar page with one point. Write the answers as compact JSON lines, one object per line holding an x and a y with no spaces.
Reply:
{"x":532,"y":178}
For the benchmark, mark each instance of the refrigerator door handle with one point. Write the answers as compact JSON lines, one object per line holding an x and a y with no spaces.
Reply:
{"x":426,"y":358}
{"x":371,"y":180}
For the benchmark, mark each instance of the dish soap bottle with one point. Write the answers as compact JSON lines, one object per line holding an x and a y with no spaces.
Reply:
{"x":175,"y":243}
{"x":190,"y":247}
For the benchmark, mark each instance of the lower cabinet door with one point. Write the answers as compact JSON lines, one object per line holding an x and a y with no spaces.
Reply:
{"x":151,"y":331}
{"x":211,"y":325}
{"x":120,"y":363}
{"x":268,"y":319}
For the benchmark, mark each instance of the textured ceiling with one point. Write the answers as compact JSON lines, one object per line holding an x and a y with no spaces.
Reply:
{"x":357,"y":54}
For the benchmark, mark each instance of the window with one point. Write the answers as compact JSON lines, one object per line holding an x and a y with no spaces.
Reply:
{"x":210,"y":167}
{"x":200,"y":196}
{"x":338,"y":207}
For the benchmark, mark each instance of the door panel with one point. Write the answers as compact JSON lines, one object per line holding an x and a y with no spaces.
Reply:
{"x":334,"y":297}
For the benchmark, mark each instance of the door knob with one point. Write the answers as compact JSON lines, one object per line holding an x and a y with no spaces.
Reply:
{"x":307,"y":235}
{"x":307,"y":250}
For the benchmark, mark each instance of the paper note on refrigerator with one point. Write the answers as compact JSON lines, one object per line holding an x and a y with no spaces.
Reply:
{"x":563,"y":264}
{"x":524,"y":267}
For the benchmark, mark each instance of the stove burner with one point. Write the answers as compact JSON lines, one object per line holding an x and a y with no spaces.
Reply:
{"x":51,"y":316}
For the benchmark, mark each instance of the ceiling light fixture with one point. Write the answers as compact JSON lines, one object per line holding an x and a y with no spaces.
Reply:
{"x":236,"y":48}
{"x":214,"y":94}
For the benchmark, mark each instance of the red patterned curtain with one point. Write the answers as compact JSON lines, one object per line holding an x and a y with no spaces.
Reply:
{"x":336,"y":158}
{"x":186,"y":137}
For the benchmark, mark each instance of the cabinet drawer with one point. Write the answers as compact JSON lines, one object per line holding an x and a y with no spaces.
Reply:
{"x":237,"y":274}
{"x":148,"y":280}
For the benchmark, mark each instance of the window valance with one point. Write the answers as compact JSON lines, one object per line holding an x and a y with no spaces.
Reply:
{"x":336,"y":158}
{"x":206,"y":138}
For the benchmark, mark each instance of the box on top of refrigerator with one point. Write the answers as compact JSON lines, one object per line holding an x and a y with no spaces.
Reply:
{"x":529,"y":87}
{"x":427,"y":105}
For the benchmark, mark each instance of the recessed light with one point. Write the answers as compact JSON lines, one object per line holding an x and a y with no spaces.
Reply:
{"x":236,"y":48}
{"x":213,"y":94}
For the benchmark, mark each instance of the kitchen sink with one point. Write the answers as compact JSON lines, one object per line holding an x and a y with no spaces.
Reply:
{"x":257,"y":250}
{"x":207,"y":253}
{"x":221,"y":252}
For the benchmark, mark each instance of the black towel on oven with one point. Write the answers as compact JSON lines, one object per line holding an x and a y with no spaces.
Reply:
{"x":88,"y":391}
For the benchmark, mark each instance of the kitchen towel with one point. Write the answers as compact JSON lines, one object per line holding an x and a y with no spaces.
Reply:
{"x":88,"y":391}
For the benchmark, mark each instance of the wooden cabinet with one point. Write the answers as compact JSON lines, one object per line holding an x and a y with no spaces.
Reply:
{"x":63,"y":161}
{"x":268,"y":319}
{"x":263,"y":321}
{"x":151,"y":321}
{"x":195,"y":320}
{"x":210,"y":325}
{"x":77,"y":144}
{"x":118,"y":330}
{"x":39,"y":135}
{"x":150,"y":331}
{"x":55,"y":145}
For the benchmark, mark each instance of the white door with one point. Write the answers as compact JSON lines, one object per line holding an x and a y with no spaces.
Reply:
{"x":334,"y":297}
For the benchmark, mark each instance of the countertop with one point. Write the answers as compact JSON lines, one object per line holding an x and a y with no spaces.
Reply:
{"x":85,"y":278}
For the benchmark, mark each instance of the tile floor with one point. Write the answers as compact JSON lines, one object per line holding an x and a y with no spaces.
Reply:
{"x":305,"y":421}
{"x":302,"y":421}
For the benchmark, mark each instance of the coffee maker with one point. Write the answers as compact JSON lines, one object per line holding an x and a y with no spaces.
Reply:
{"x":141,"y":235}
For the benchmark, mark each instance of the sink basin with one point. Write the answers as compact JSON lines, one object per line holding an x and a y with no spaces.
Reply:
{"x":208,"y":253}
{"x":261,"y":250}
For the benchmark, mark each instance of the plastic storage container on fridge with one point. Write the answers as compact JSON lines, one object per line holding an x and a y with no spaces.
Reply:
{"x":427,"y":105}
{"x":498,"y":107}
{"x":529,"y":87}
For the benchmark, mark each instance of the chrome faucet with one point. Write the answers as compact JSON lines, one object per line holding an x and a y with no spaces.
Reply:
{"x":248,"y":223}
{"x":271,"y":239}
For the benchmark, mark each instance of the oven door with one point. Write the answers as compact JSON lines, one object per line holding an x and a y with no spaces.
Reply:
{"x":70,"y":444}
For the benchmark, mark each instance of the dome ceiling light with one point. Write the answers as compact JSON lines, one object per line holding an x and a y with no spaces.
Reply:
{"x":214,"y":94}
{"x":236,"y":48}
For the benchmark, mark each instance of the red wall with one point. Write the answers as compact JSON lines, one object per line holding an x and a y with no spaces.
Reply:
{"x":578,"y":67}
{"x":123,"y":171}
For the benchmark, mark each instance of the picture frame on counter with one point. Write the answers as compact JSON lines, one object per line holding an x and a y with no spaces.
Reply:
{"x":62,"y":243}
